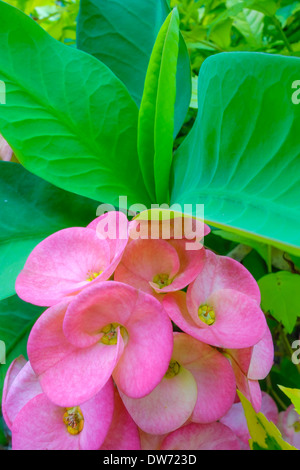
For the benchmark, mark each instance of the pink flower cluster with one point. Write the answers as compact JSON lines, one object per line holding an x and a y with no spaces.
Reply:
{"x":143,"y":343}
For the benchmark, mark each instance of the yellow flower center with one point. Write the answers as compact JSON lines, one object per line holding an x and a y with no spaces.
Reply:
{"x":162,"y":280}
{"x":207,"y":314}
{"x":296,"y":426}
{"x":92,"y":276}
{"x":173,"y":369}
{"x":110,"y":334}
{"x":73,"y":419}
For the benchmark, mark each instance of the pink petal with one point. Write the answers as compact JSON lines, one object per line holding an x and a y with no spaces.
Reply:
{"x":167,"y":407}
{"x":112,"y":227}
{"x":249,"y":388}
{"x":239,"y":321}
{"x":21,"y":384}
{"x":213,"y":375}
{"x":98,"y":414}
{"x":262,"y":357}
{"x":148,"y":352}
{"x":5,"y":150}
{"x":123,"y":433}
{"x":151,"y":441}
{"x":68,"y":375}
{"x":213,"y":436}
{"x":61,"y":265}
{"x":39,"y":426}
{"x":144,"y":259}
{"x":220,"y":272}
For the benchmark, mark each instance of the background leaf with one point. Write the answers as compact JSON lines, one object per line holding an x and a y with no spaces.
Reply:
{"x":294,"y":395}
{"x":30,"y":210}
{"x":241,"y":159}
{"x":68,"y":118}
{"x":279,"y":296}
{"x":16,"y":320}
{"x":121,"y":34}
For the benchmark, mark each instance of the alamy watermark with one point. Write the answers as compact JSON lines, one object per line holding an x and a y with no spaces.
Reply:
{"x":296,"y":354}
{"x":159,"y":222}
{"x":2,"y":92}
{"x":2,"y":352}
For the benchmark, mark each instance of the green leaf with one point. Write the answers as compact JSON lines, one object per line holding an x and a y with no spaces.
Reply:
{"x":16,"y":320}
{"x":122,"y":33}
{"x":68,"y":118}
{"x":32,"y":209}
{"x":294,"y":395}
{"x":279,"y":296}
{"x":264,"y":434}
{"x":156,"y":116}
{"x":234,"y":237}
{"x":241,"y":158}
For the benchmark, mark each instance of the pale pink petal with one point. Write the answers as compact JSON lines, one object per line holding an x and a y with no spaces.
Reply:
{"x":148,"y":352}
{"x":123,"y":433}
{"x":213,"y":436}
{"x":62,"y":265}
{"x":167,"y":407}
{"x":262,"y":357}
{"x":151,"y":441}
{"x":21,"y":384}
{"x":98,"y":414}
{"x":249,"y":388}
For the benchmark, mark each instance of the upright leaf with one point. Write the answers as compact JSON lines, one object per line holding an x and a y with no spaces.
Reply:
{"x":122,"y":33}
{"x":67,"y":117}
{"x":241,"y":159}
{"x":156,"y":116}
{"x":30,"y":210}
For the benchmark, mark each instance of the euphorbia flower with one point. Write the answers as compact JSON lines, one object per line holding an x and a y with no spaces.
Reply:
{"x":123,"y":433}
{"x":289,"y":426}
{"x":221,"y":306}
{"x":6,"y":151}
{"x":199,"y":385}
{"x":109,"y":328}
{"x":235,"y":419}
{"x":213,"y":436}
{"x":69,"y":261}
{"x":159,"y":266}
{"x":38,"y":424}
{"x":251,"y":365}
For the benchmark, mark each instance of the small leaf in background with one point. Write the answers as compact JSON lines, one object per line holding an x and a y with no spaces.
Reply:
{"x":294,"y":395}
{"x":279,"y":297}
{"x":264,"y":434}
{"x":156,"y":115}
{"x":16,"y":320}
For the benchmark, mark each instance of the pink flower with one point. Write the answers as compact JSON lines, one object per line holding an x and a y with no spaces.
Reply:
{"x":159,"y":266}
{"x":289,"y":425}
{"x":221,"y":306}
{"x":38,"y":424}
{"x":199,"y":385}
{"x":213,"y":436}
{"x":109,"y":328}
{"x":235,"y":419}
{"x":6,"y":151}
{"x":251,"y":365}
{"x":123,"y":433}
{"x":71,"y":260}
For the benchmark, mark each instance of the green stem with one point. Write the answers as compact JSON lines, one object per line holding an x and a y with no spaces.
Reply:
{"x":281,"y":32}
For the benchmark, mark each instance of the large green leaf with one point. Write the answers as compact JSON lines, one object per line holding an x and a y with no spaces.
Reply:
{"x":122,"y":33}
{"x":241,"y":159}
{"x":30,"y":210}
{"x":16,"y":320}
{"x":156,"y":116}
{"x":68,"y":118}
